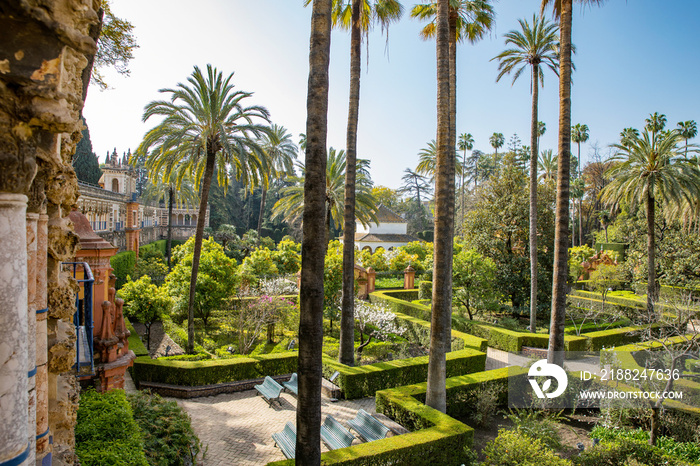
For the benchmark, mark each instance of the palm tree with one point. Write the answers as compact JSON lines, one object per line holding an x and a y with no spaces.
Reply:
{"x":497,"y":140}
{"x":468,"y":19}
{"x":313,"y":245}
{"x":579,"y":134}
{"x":441,"y":320}
{"x":547,"y":163}
{"x":465,"y":143}
{"x":358,"y":16}
{"x":652,"y":170}
{"x":280,"y":153}
{"x":205,"y":128}
{"x":167,"y":189}
{"x":688,"y":130}
{"x":534,"y":46}
{"x":427,"y":161}
{"x":291,"y":203}
{"x":628,"y":134}
{"x":541,"y":129}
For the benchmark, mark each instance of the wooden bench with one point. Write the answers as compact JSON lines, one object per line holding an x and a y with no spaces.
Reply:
{"x":368,"y":426}
{"x":335,"y":435}
{"x":270,"y":390}
{"x":292,"y":385}
{"x":287,"y":440}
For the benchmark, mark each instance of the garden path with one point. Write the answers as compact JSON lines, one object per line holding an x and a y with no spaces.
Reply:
{"x":160,"y":341}
{"x":237,"y":428}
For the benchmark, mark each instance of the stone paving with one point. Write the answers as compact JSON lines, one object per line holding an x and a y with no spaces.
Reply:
{"x":237,"y":428}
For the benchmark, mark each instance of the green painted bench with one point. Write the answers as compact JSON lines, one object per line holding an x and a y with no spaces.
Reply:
{"x":335,"y":435}
{"x":270,"y":390}
{"x":287,"y":440}
{"x":292,"y":385}
{"x":368,"y":426}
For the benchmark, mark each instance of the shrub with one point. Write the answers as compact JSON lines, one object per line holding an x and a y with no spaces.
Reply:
{"x":619,"y":452}
{"x":106,"y":433}
{"x":214,"y":371}
{"x":123,"y":264}
{"x":537,"y":424}
{"x":425,"y":290}
{"x":167,"y":430}
{"x":145,"y":302}
{"x":688,"y":451}
{"x":216,"y":279}
{"x":513,"y":448}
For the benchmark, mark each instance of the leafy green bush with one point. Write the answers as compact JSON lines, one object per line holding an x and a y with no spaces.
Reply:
{"x":145,"y":302}
{"x":537,"y":424}
{"x":514,"y":448}
{"x":167,"y":430}
{"x":425,"y":290}
{"x":123,"y":264}
{"x":619,"y":452}
{"x":216,"y":279}
{"x":106,"y":433}
{"x":687,"y":451}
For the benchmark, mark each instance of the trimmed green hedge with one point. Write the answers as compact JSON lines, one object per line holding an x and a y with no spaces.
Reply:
{"x":135,"y":343}
{"x":123,"y":264}
{"x":692,"y":365}
{"x":362,"y":381}
{"x":613,"y":337}
{"x":213,"y":371}
{"x":106,"y":432}
{"x":437,"y":438}
{"x":418,"y":330}
{"x":160,"y":245}
{"x":498,"y":337}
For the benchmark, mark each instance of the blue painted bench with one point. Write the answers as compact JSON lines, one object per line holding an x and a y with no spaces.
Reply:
{"x":287,"y":440}
{"x":368,"y":426}
{"x":334,"y":434}
{"x":292,"y":385}
{"x":270,"y":390}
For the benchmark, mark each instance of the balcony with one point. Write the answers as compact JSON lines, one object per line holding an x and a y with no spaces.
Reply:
{"x":83,"y":318}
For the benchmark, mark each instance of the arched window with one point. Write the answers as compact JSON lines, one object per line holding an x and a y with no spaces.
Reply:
{"x":115,"y":185}
{"x":180,"y":220}
{"x":187,"y":219}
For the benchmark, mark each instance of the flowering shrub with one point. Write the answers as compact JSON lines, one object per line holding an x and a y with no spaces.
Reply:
{"x":375,"y":321}
{"x":256,"y":315}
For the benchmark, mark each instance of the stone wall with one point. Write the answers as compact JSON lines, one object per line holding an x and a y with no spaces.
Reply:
{"x":45,"y":48}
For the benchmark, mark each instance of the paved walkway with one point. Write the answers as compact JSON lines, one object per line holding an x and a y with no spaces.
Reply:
{"x":237,"y":428}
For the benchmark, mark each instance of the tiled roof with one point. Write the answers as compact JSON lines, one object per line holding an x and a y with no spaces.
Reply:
{"x":385,"y":238}
{"x":386,"y":215}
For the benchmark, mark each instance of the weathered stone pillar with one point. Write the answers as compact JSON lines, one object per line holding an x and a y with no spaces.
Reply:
{"x":14,"y":408}
{"x":32,"y":225}
{"x":42,"y":376}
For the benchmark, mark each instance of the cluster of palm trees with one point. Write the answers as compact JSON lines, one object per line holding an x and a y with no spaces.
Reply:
{"x":208,"y":129}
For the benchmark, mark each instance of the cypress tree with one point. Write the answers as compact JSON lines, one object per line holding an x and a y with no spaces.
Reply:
{"x":85,"y":162}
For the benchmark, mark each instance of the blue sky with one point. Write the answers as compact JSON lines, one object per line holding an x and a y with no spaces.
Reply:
{"x":633,"y":58}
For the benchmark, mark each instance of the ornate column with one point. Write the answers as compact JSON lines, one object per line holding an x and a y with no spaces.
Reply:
{"x":14,"y":406}
{"x":41,"y":306}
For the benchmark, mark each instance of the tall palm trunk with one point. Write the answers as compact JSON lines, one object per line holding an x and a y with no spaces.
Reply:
{"x":347,"y":316}
{"x":452,"y":141}
{"x":169,"y":244}
{"x":313,"y":245}
{"x":580,"y":200}
{"x":561,"y":235}
{"x":199,"y":234}
{"x":533,"y":199}
{"x":651,"y":254}
{"x":262,"y":209}
{"x":444,"y":219}
{"x":462,"y":216}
